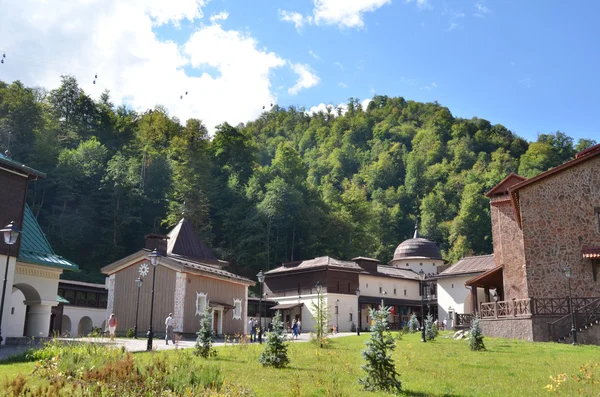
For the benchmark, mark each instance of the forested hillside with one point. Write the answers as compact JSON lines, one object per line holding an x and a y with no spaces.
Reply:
{"x":286,"y":186}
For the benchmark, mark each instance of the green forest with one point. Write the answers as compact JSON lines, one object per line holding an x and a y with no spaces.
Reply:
{"x":286,"y":186}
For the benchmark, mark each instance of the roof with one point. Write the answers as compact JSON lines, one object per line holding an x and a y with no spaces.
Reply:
{"x":322,"y":261}
{"x":470,"y":264}
{"x":36,"y":249}
{"x":510,"y":180}
{"x":579,"y":158}
{"x":493,"y":278}
{"x":60,"y":299}
{"x":417,"y":248}
{"x":183,"y":241}
{"x":82,"y":284}
{"x":30,"y":172}
{"x":390,"y":271}
{"x":591,"y":252}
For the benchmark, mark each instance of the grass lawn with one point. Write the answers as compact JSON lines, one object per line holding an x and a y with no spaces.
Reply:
{"x":445,"y":367}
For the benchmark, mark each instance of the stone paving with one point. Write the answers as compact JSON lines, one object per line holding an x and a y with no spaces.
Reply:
{"x":138,"y":345}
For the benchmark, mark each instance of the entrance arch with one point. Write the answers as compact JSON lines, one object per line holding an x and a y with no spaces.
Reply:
{"x":37,"y":312}
{"x":65,"y":329}
{"x":85,"y":326}
{"x":16,"y":314}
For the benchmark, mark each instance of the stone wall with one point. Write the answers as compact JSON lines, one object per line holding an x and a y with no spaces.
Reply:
{"x":508,"y":249}
{"x":512,"y":328}
{"x":558,"y":219}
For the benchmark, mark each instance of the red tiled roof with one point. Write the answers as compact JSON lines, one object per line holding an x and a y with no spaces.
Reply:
{"x":590,"y":252}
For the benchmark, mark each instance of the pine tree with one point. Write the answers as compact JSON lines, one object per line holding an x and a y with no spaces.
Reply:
{"x":205,"y":337}
{"x":320,"y":315}
{"x":275,"y":353}
{"x":476,"y":336}
{"x":380,"y":368}
{"x":431,"y":330}
{"x":413,"y":324}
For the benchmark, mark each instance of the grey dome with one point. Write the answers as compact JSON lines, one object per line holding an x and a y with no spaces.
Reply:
{"x":417,"y":248}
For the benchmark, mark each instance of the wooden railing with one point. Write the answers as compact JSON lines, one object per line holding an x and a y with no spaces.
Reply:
{"x":504,"y":309}
{"x":584,"y":315}
{"x":296,"y":292}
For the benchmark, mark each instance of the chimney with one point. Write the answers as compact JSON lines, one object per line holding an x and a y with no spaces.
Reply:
{"x":369,"y":264}
{"x":157,"y":242}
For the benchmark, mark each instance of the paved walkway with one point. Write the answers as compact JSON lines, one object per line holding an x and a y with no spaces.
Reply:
{"x":138,"y":345}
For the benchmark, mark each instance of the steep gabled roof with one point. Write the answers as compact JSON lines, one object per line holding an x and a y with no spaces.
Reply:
{"x":21,"y":168}
{"x":183,"y":241}
{"x":36,"y":249}
{"x":510,"y":180}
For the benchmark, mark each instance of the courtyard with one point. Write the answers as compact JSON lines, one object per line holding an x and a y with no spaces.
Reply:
{"x":444,"y":367}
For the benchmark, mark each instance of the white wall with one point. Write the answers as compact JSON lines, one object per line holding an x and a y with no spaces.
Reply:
{"x":429,"y":266}
{"x":6,"y":317}
{"x":452,"y":292}
{"x":76,"y":313}
{"x":370,"y":285}
{"x":14,"y":326}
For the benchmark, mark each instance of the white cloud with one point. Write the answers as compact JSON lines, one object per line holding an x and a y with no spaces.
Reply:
{"x":343,"y":13}
{"x":429,"y":86}
{"x":223,"y":15}
{"x":231,"y":71}
{"x":453,"y":25}
{"x":339,"y":65}
{"x":295,"y":17}
{"x":306,"y":78}
{"x":422,"y":4}
{"x":314,"y":55}
{"x":525,"y":82}
{"x":481,"y":10}
{"x":342,"y":84}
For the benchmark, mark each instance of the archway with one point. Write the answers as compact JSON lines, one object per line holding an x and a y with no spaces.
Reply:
{"x":65,"y":329}
{"x":85,"y":326}
{"x":16,"y":320}
{"x":37,"y":316}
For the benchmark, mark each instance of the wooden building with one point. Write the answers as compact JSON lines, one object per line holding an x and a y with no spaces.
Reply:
{"x":189,"y":280}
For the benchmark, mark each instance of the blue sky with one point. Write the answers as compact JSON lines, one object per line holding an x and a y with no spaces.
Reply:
{"x":529,"y":65}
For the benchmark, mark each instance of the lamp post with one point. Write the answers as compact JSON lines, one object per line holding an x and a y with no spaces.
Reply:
{"x":11,"y":235}
{"x":337,"y":312}
{"x":358,"y":301}
{"x":154,"y":260}
{"x":568,"y":274}
{"x":421,"y":278}
{"x":138,"y":283}
{"x":261,"y":280}
{"x":319,"y":314}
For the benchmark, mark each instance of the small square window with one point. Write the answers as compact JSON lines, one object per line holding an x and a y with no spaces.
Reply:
{"x":407,"y":264}
{"x":421,"y":264}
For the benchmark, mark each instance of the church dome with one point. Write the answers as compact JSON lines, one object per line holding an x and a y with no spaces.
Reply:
{"x":417,"y":247}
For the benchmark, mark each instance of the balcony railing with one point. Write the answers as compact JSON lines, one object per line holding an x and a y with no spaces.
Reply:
{"x":504,"y":309}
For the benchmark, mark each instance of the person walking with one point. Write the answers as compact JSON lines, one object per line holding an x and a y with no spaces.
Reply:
{"x":112,"y":326}
{"x":169,"y":327}
{"x":252,"y":326}
{"x":295,"y":329}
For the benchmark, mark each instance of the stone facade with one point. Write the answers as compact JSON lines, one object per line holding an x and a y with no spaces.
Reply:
{"x":518,"y":328}
{"x":558,"y":219}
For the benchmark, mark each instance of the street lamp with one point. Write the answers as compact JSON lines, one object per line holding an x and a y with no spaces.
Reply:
{"x":337,"y":312}
{"x":421,"y":278}
{"x":138,"y":283}
{"x":568,"y":273}
{"x":359,"y":319}
{"x":154,"y":260}
{"x":11,"y":235}
{"x":319,"y":314}
{"x":261,"y":280}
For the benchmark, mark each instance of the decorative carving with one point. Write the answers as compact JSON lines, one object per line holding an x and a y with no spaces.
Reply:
{"x":180,"y":284}
{"x":111,"y":295}
{"x":237,"y":309}
{"x":37,"y":272}
{"x":144,"y":269}
{"x":201,"y":303}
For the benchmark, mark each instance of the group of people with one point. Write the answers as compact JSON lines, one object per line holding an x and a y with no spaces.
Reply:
{"x":296,"y":328}
{"x":112,"y":328}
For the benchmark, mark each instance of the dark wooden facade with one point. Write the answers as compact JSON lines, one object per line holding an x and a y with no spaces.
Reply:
{"x":12,"y":205}
{"x":303,"y":281}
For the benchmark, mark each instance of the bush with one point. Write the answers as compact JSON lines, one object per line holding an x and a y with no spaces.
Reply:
{"x":380,"y":368}
{"x":413,"y":324}
{"x":476,"y":336}
{"x":275,"y":353}
{"x":130,"y":333}
{"x":352,"y":327}
{"x":431,"y":330}
{"x":205,"y":337}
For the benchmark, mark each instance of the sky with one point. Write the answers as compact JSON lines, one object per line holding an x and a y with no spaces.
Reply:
{"x":529,"y":65}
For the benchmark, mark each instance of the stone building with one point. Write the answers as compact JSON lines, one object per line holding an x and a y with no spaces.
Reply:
{"x":189,"y":280}
{"x":539,"y":226}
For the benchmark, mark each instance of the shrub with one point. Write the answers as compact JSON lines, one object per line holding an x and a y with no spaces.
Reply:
{"x":352,"y":327}
{"x":275,"y":353}
{"x":476,"y":336}
{"x":130,"y":333}
{"x":431,"y":330}
{"x":205,"y":337}
{"x":413,"y":324}
{"x":380,"y":368}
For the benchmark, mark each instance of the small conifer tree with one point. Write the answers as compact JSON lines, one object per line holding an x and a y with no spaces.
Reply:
{"x":380,"y":368}
{"x":413,"y":324}
{"x":205,"y":337}
{"x":275,"y":353}
{"x":431,"y":330}
{"x":476,"y":336}
{"x":320,"y":315}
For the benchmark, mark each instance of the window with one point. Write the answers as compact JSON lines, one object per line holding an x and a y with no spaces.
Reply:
{"x":597,"y":215}
{"x":237,"y":309}
{"x":596,"y":269}
{"x":394,"y":291}
{"x":103,"y":300}
{"x":80,"y":298}
{"x":91,"y":299}
{"x":201,"y":303}
{"x":380,"y":290}
{"x":421,"y":264}
{"x":70,"y":296}
{"x":407,"y":264}
{"x":404,"y":291}
{"x":350,"y":316}
{"x":367,"y":285}
{"x":452,"y":285}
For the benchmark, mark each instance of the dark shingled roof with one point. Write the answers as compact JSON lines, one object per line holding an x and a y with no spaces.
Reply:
{"x":184,"y":242}
{"x":317,"y":262}
{"x":470,"y":264}
{"x":417,"y":248}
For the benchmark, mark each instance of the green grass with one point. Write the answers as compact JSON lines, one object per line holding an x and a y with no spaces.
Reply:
{"x":445,"y":367}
